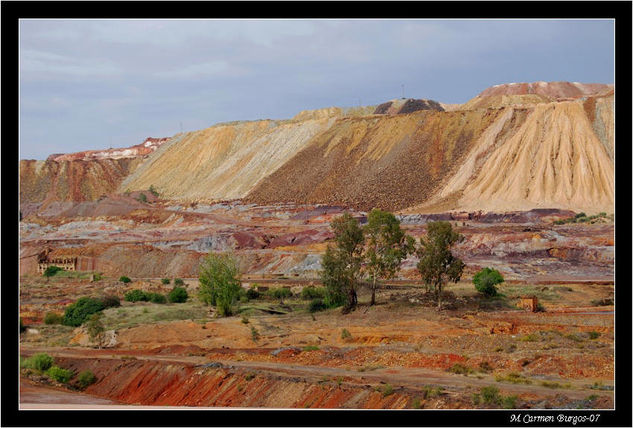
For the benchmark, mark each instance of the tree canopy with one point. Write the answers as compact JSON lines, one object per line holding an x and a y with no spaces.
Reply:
{"x":437,"y":264}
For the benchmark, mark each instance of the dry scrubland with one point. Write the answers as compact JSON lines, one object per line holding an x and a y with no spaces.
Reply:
{"x":511,"y":170}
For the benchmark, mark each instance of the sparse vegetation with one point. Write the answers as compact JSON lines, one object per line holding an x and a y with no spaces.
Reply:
{"x":280,"y":293}
{"x":387,"y":390}
{"x":310,"y":348}
{"x":124,"y":279}
{"x":179,"y":282}
{"x":153,"y":190}
{"x":52,"y":318}
{"x":110,"y":301}
{"x":489,"y":395}
{"x":460,"y":369}
{"x":94,"y":327}
{"x":583,"y":218}
{"x":142,"y":198}
{"x":165,"y":281}
{"x":593,"y":335}
{"x":513,"y":378}
{"x":252,"y":294}
{"x":254,"y":334}
{"x":345,"y":334}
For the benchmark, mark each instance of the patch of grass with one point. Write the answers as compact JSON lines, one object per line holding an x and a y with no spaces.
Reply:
{"x":345,"y":334}
{"x":131,"y":316}
{"x":530,"y":338}
{"x":254,"y":334}
{"x":310,"y":348}
{"x":574,"y":337}
{"x":416,"y":404}
{"x":555,"y":385}
{"x":387,"y":390}
{"x":513,"y":377}
{"x":593,"y":335}
{"x":432,"y":392}
{"x":490,"y":395}
{"x":460,"y":369}
{"x":509,"y":402}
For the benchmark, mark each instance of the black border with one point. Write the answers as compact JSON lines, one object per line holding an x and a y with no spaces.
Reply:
{"x":12,"y":11}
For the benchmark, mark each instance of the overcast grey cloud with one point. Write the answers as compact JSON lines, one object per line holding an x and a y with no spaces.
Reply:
{"x":91,"y":84}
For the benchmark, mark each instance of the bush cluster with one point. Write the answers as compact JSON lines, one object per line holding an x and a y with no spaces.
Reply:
{"x":311,"y":292}
{"x":144,"y":296}
{"x":280,"y":293}
{"x":165,"y":281}
{"x":252,"y":294}
{"x":124,"y":279}
{"x":178,"y":295}
{"x":582,"y":218}
{"x":110,"y":301}
{"x":179,"y":281}
{"x":86,"y":378}
{"x":51,"y":271}
{"x":485,"y":281}
{"x":59,"y":374}
{"x":317,"y":305}
{"x":41,"y":362}
{"x":78,"y":312}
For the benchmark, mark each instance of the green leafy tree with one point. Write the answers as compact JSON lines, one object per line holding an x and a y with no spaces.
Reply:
{"x":342,"y":263}
{"x":437,"y":264}
{"x":485,"y":281}
{"x":95,"y":328}
{"x":219,"y":281}
{"x":386,"y":247}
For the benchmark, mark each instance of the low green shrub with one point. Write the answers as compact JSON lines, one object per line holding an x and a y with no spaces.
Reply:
{"x":317,"y":305}
{"x":310,"y":348}
{"x":252,"y":294}
{"x":41,"y":362}
{"x":78,"y":312}
{"x":490,"y":395}
{"x":345,"y":334}
{"x":387,"y":390}
{"x":593,"y":335}
{"x":59,"y":374}
{"x":179,"y":281}
{"x":52,"y":318}
{"x":51,"y":271}
{"x":165,"y":281}
{"x":136,"y":296}
{"x":125,"y":279}
{"x":178,"y":295}
{"x":86,"y":378}
{"x":280,"y":293}
{"x":311,"y":292}
{"x":254,"y":334}
{"x":157,"y":298}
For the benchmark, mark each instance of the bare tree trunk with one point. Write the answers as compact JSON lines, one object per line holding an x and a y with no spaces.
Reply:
{"x":373,"y":292}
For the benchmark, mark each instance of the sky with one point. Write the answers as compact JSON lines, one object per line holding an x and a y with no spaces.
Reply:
{"x":95,"y":84}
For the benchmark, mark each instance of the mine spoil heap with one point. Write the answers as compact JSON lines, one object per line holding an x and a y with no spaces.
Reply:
{"x":515,"y":146}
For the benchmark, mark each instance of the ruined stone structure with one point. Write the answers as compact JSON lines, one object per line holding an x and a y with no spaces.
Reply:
{"x":66,"y":263}
{"x":529,"y":302}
